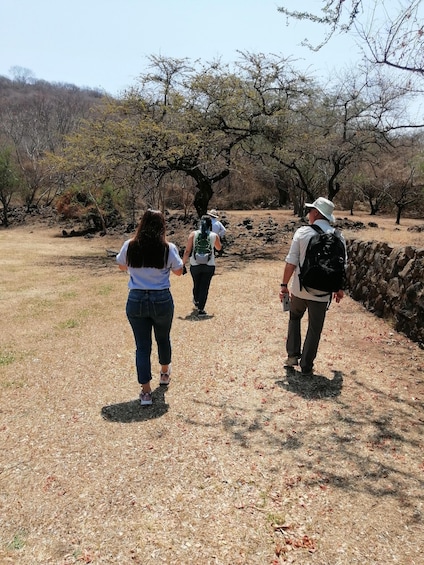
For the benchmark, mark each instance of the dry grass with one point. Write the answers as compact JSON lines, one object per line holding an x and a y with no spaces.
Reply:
{"x":387,"y":230}
{"x":239,"y":462}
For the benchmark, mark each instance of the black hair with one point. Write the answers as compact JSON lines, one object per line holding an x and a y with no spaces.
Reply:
{"x":205,"y":226}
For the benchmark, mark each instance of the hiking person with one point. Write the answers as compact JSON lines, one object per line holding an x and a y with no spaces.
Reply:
{"x":149,"y":258}
{"x":217,"y":226}
{"x":315,"y":300}
{"x":201,"y":246}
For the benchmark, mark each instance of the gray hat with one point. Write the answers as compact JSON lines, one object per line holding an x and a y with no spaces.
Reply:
{"x":213,"y":213}
{"x":324,"y":207}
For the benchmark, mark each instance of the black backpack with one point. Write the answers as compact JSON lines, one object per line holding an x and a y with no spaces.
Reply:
{"x":324,"y":265}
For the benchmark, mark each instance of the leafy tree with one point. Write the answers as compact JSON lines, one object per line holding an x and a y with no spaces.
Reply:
{"x":203,"y":127}
{"x":183,"y":120}
{"x":335,"y":130}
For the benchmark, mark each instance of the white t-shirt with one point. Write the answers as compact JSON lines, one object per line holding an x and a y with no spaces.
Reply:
{"x":296,"y":256}
{"x":218,"y":227}
{"x":149,"y":278}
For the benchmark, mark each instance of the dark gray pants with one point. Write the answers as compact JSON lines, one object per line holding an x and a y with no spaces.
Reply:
{"x":202,"y":276}
{"x":316,"y":317}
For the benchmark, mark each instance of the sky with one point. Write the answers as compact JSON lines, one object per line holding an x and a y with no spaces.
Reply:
{"x":105,"y":44}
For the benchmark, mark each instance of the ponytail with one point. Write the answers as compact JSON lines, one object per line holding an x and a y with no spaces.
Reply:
{"x":205,"y":226}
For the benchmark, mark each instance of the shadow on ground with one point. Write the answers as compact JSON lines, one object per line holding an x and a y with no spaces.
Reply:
{"x":194,"y":317}
{"x":132,"y":411}
{"x":316,"y":386}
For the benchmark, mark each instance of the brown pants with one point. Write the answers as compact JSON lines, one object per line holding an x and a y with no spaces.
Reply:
{"x":316,"y":316}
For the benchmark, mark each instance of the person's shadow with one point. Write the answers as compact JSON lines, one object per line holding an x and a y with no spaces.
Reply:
{"x":194,"y":317}
{"x":132,"y":411}
{"x":316,"y":386}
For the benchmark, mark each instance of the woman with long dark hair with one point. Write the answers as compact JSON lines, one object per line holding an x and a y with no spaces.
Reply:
{"x":149,"y":258}
{"x":200,"y":248}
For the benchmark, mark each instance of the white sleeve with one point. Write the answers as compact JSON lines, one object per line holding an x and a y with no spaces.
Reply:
{"x":174,"y":260}
{"x":121,"y":258}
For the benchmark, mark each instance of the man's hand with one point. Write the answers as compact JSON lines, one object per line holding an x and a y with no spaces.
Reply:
{"x":283,"y":290}
{"x":338,"y":295}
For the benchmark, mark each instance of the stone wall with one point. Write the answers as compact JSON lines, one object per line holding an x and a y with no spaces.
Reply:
{"x":389,"y":281}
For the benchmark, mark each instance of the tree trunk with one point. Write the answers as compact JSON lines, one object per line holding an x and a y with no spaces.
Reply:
{"x":203,"y":195}
{"x":204,"y":188}
{"x":282,"y":196}
{"x":102,"y":220}
{"x":398,"y":214}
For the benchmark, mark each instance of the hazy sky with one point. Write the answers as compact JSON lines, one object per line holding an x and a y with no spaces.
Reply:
{"x":105,"y":43}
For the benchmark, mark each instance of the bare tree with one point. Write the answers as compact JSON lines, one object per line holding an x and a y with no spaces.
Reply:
{"x":405,"y":180}
{"x":392,"y":35}
{"x":370,"y":186}
{"x":393,"y":180}
{"x":36,"y":117}
{"x":22,"y":75}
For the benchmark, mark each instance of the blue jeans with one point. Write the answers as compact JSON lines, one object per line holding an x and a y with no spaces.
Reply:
{"x":202,"y":276}
{"x":149,"y":310}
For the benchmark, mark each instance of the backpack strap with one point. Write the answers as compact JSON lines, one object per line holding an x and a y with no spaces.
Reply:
{"x":316,"y":228}
{"x":196,"y":235}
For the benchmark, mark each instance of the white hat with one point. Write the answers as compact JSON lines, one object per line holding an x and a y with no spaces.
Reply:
{"x":324,"y":207}
{"x":213,"y":213}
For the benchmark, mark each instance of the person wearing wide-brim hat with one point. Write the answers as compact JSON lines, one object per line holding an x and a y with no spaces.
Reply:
{"x":320,"y":213}
{"x":217,"y":226}
{"x":325,"y":208}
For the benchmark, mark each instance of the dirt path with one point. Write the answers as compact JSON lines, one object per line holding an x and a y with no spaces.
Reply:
{"x":239,"y":462}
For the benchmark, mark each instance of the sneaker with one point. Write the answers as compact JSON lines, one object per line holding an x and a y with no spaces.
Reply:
{"x":165,"y":378}
{"x":291,"y":361}
{"x":145,"y":398}
{"x":309,"y":373}
{"x":202,"y":313}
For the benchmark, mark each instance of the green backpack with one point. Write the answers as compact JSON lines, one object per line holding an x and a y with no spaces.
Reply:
{"x":202,"y":249}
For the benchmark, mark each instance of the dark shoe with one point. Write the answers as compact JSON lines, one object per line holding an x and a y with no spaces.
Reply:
{"x":291,"y":361}
{"x":307,"y":373}
{"x":202,"y":313}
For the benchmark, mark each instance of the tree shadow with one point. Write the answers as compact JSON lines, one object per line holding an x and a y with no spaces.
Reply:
{"x":369,"y":444}
{"x":132,"y":411}
{"x":316,"y":386}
